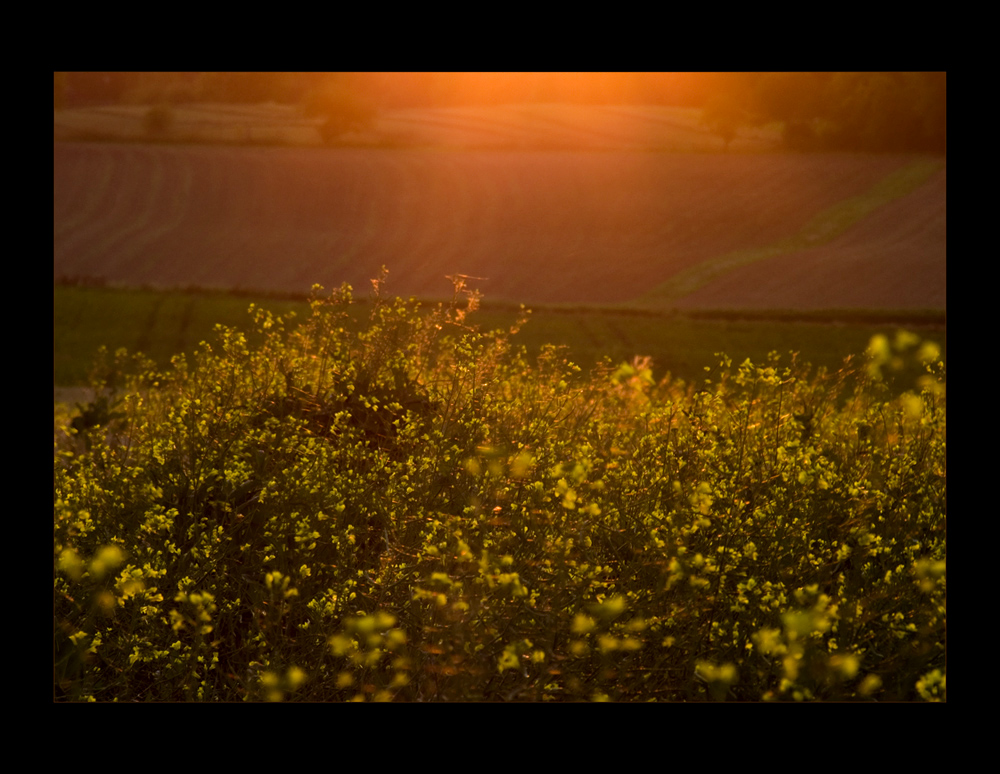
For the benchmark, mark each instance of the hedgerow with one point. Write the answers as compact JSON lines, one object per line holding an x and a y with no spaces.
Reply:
{"x":418,"y":512}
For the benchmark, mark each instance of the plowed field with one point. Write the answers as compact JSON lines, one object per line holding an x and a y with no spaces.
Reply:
{"x":559,"y":227}
{"x":895,"y":257}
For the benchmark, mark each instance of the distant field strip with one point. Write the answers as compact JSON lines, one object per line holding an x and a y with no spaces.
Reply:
{"x":537,"y":126}
{"x":163,"y":324}
{"x":567,"y":127}
{"x":199,"y":122}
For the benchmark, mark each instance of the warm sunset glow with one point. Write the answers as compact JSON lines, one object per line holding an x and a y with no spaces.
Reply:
{"x":494,"y":88}
{"x":573,"y":87}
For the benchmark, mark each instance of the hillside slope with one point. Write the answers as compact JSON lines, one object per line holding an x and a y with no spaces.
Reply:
{"x":556,"y":227}
{"x":894,"y":256}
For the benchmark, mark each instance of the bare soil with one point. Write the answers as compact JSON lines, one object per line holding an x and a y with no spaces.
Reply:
{"x":558,"y":227}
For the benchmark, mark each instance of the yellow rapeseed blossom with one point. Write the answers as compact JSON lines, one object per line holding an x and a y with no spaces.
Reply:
{"x":296,"y":677}
{"x":71,"y":564}
{"x":932,"y":685}
{"x":107,"y":559}
{"x":845,"y":665}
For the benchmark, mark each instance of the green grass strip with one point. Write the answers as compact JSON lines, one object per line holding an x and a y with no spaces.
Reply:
{"x":161,"y":324}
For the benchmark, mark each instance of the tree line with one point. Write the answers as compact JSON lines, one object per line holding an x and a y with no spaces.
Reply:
{"x":884,"y":111}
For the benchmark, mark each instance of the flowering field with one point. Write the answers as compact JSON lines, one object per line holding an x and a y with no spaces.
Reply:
{"x":416,"y":511}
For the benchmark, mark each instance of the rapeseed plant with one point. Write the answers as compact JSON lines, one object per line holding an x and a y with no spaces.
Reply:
{"x":417,"y":511}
